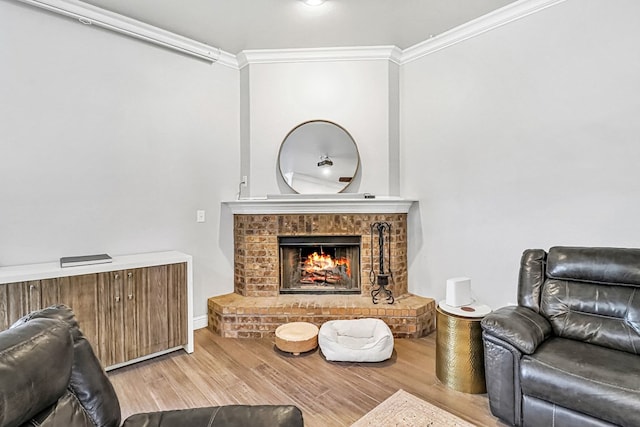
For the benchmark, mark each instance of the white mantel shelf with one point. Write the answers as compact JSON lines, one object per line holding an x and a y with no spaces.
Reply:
{"x":313,"y":205}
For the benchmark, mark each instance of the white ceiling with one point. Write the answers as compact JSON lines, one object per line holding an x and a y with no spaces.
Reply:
{"x":236,"y":25}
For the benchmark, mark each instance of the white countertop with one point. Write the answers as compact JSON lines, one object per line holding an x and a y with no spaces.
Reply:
{"x":23,"y":273}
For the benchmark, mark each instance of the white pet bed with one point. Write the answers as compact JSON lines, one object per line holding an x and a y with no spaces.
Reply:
{"x":358,"y":340}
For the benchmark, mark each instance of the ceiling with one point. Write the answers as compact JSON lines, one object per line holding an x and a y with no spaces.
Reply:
{"x":237,"y":25}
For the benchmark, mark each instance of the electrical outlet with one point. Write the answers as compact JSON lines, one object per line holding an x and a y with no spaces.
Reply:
{"x":200,"y":216}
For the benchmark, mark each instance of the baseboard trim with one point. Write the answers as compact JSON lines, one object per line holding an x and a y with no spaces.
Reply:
{"x":200,"y":322}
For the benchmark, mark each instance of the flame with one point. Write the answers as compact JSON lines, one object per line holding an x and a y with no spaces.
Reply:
{"x":318,"y":262}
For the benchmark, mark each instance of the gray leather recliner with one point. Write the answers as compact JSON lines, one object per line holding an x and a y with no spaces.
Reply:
{"x":50,"y":377}
{"x":569,"y":353}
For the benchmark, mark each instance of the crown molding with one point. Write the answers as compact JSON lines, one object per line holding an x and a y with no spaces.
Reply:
{"x":360,"y":53}
{"x":92,"y":15}
{"x":228,"y":59}
{"x":481,"y":25}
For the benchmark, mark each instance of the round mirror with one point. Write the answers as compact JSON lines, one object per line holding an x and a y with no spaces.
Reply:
{"x":318,"y":157}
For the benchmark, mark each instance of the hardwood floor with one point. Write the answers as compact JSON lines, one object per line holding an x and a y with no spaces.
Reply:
{"x":252,"y":371}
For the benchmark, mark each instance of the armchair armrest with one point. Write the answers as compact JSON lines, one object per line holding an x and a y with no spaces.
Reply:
{"x":521,"y":327}
{"x":221,"y":416}
{"x":508,"y":333}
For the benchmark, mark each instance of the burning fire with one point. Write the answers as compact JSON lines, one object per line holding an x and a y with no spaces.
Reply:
{"x":323,"y":262}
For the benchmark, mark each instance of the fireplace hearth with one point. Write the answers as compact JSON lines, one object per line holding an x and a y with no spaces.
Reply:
{"x":319,"y":264}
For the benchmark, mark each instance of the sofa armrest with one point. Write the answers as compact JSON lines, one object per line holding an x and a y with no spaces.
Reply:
{"x":519,"y":326}
{"x":507,"y":334}
{"x":221,"y":416}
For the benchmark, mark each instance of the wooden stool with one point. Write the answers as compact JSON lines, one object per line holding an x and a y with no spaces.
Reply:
{"x":297,"y":337}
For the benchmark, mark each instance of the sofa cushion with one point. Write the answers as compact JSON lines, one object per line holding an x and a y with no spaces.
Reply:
{"x":599,"y":314}
{"x":540,"y":413}
{"x":594,"y":380}
{"x":597,"y":265}
{"x":219,"y":416}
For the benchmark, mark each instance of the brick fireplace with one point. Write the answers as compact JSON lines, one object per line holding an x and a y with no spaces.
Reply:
{"x":257,"y":307}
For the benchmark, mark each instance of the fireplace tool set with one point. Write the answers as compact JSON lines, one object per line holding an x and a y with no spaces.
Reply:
{"x":380,"y":281}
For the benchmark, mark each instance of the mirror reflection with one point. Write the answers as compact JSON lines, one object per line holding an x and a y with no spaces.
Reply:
{"x":318,"y":157}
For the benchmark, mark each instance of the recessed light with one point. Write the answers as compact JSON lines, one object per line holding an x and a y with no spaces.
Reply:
{"x":313,"y":2}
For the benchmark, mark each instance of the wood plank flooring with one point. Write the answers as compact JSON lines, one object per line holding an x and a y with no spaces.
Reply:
{"x":225,"y":371}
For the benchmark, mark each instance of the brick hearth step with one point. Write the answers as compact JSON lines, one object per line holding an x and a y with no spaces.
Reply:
{"x":237,"y":316}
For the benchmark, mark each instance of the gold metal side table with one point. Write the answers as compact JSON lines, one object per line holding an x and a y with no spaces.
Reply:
{"x":459,"y":352}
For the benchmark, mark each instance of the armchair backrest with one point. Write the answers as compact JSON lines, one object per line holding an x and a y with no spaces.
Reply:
{"x":28,"y":356}
{"x":532,"y":277}
{"x":49,"y":375}
{"x":587,"y":294}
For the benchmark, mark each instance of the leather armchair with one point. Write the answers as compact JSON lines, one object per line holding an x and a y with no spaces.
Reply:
{"x":569,"y":353}
{"x":50,"y":377}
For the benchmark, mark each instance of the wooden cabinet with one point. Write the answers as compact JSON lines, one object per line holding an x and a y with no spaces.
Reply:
{"x":18,"y":299}
{"x":144,"y":312}
{"x":126,"y":314}
{"x":81,"y":294}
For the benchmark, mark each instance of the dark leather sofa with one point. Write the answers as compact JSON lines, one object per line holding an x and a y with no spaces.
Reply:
{"x":569,"y":353}
{"x":50,"y":377}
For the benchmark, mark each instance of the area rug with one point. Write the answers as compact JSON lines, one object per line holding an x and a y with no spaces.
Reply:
{"x":406,"y":410}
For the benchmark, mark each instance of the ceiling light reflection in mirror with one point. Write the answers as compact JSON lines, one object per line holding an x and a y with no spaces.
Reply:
{"x":318,"y":157}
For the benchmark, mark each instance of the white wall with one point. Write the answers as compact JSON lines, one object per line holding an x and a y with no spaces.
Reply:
{"x":109,"y":144}
{"x":523,"y":137}
{"x":353,"y":94}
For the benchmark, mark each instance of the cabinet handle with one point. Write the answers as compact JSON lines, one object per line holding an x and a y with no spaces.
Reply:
{"x":32,"y":287}
{"x":116,"y":276}
{"x":118,"y":298}
{"x":129,"y":275}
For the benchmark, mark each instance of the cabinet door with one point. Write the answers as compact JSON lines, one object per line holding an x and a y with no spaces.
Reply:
{"x":142,"y":311}
{"x":152,"y":307}
{"x":132,"y":280}
{"x":17,"y":300}
{"x":80,"y":293}
{"x":111,"y":318}
{"x":177,"y":304}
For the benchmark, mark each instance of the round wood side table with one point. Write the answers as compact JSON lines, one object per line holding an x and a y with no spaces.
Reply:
{"x":459,"y":352}
{"x":297,"y":337}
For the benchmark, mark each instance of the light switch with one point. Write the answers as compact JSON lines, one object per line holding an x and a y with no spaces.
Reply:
{"x":200,"y":216}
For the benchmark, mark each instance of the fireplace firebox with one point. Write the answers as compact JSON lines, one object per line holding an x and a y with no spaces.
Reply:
{"x":319,"y":264}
